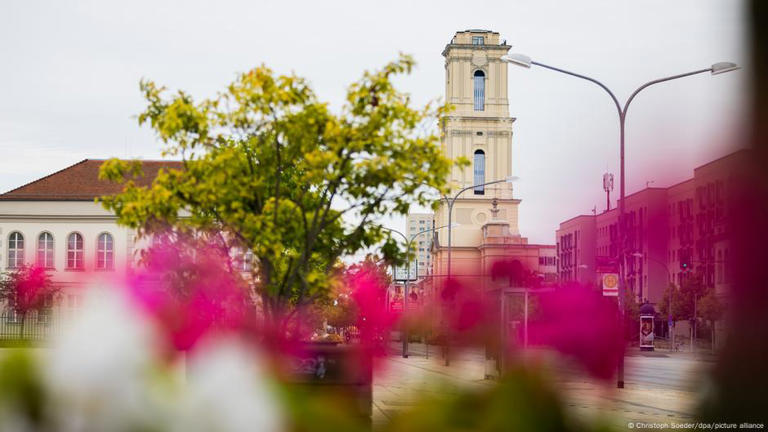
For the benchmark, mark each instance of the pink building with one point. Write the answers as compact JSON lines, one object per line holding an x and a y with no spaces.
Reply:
{"x":666,"y":228}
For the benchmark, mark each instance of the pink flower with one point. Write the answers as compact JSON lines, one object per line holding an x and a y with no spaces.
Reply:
{"x":582,"y":324}
{"x":373,"y":321}
{"x":188,"y":299}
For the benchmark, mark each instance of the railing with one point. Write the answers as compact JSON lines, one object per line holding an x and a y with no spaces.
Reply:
{"x":36,"y":327}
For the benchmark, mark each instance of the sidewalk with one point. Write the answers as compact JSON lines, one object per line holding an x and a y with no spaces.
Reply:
{"x":658,"y":389}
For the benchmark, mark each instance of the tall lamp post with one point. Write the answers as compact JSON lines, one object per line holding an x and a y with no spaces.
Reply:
{"x":451,"y":202}
{"x":715,"y":69}
{"x":408,"y":242}
{"x":669,"y":299}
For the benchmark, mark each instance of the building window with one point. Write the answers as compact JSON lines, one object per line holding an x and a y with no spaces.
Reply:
{"x":45,"y":250}
{"x":75,"y":252}
{"x":15,"y":250}
{"x":105,"y":252}
{"x":478,"y":40}
{"x":479,"y":90}
{"x":479,"y":172}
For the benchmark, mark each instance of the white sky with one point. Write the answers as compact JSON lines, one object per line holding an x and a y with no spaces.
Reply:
{"x":69,"y":74}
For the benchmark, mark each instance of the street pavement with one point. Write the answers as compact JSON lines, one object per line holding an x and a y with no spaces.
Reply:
{"x":660,"y":387}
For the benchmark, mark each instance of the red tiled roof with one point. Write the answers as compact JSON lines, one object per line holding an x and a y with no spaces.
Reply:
{"x":80,"y":182}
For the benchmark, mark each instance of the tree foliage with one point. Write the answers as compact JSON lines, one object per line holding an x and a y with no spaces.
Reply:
{"x":270,"y":166}
{"x":707,"y":307}
{"x":27,"y":289}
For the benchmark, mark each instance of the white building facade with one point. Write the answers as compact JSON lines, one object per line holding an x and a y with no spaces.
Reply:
{"x":55,"y":223}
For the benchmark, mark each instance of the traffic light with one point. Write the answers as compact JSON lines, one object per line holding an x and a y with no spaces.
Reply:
{"x":685,"y":264}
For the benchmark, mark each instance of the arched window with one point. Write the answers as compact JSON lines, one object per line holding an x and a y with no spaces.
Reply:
{"x":479,"y":90}
{"x":15,"y":250}
{"x":479,"y":172}
{"x":45,"y":250}
{"x":105,"y":252}
{"x":75,"y":251}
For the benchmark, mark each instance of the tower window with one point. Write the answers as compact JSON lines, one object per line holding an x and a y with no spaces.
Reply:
{"x":479,"y":172}
{"x":479,"y":90}
{"x":478,"y":40}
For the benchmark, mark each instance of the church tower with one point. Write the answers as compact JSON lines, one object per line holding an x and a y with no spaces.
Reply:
{"x":480,"y":129}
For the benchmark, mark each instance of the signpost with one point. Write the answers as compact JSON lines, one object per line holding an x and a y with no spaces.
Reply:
{"x":610,"y":284}
{"x":402,"y":273}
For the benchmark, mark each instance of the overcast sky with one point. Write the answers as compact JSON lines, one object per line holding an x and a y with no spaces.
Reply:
{"x":69,"y":74}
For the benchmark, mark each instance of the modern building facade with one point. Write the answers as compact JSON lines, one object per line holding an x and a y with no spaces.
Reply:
{"x":576,"y":249}
{"x":422,"y":244}
{"x":672,"y":233}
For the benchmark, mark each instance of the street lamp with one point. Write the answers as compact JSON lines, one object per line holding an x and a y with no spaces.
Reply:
{"x":715,"y":69}
{"x":669,"y":299}
{"x":451,"y":202}
{"x":408,"y":243}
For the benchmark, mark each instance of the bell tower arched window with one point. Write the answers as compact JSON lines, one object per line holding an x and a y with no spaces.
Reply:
{"x":479,"y":78}
{"x":479,"y":169}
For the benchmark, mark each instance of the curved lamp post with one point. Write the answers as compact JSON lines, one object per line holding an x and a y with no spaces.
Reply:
{"x":715,"y":69}
{"x":408,"y":242}
{"x":451,"y":202}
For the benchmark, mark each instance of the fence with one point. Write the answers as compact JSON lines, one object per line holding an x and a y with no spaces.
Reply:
{"x":36,"y":326}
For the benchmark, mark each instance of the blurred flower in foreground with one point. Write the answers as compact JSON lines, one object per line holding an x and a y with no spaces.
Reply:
{"x":188,"y":297}
{"x":582,"y":324}
{"x":373,"y":320}
{"x":227,"y":390}
{"x":522,"y":401}
{"x":98,"y":367}
{"x":105,"y":373}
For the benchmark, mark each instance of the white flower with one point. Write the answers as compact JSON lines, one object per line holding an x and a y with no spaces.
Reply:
{"x":99,"y":367}
{"x":227,"y":391}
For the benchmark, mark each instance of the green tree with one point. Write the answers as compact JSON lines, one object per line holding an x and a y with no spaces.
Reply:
{"x":711,"y":309}
{"x":690,"y":293}
{"x":274,"y":170}
{"x":678,"y":303}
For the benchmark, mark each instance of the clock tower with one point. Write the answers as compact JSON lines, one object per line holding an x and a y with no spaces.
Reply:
{"x":479,"y":129}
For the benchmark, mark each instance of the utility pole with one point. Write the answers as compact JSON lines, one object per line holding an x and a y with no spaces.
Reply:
{"x":607,"y":187}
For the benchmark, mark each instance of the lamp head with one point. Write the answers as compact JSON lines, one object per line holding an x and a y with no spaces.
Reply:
{"x":723,"y":67}
{"x":518,"y":59}
{"x":510,"y":179}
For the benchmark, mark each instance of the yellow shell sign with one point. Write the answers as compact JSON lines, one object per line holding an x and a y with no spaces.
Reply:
{"x":610,"y":284}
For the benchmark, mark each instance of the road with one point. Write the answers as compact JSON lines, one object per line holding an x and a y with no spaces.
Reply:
{"x":659,"y":387}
